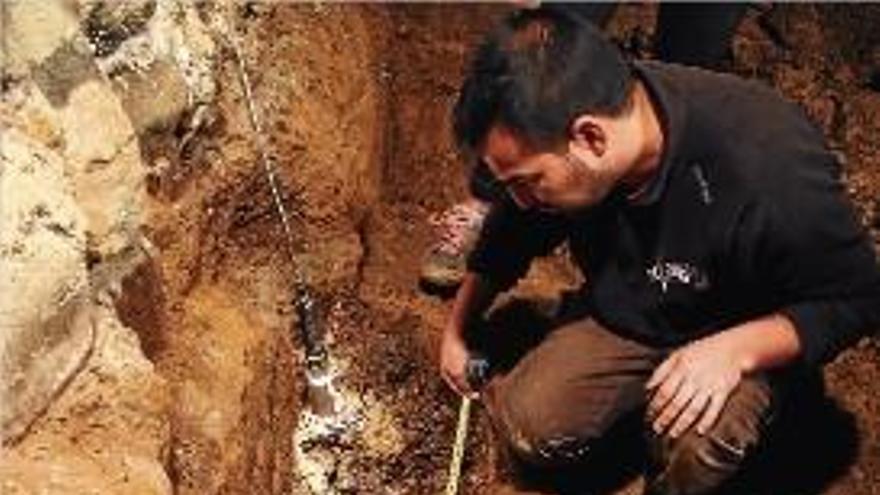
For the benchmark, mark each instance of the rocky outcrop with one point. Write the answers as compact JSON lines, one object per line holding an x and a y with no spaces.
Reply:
{"x":43,"y":280}
{"x":83,"y":83}
{"x":107,"y":433}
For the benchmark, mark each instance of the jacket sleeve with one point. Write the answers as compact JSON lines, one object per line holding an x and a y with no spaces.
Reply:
{"x":510,"y":239}
{"x":812,"y":253}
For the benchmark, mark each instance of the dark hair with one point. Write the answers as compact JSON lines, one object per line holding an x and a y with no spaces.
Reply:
{"x":535,"y":73}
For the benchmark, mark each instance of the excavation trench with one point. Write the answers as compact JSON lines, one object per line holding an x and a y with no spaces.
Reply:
{"x":347,"y":123}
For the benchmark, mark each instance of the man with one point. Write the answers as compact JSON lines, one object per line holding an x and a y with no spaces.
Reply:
{"x":697,"y":34}
{"x":708,"y":218}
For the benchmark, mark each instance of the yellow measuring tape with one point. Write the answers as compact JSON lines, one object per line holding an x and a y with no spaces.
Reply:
{"x":464,"y":413}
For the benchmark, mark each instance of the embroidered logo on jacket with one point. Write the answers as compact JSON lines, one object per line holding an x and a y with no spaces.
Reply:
{"x":666,"y":273}
{"x":702,"y":184}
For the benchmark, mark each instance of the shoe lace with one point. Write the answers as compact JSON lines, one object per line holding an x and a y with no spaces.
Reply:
{"x":456,"y":225}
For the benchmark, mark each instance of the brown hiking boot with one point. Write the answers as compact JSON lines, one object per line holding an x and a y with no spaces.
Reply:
{"x":458,"y":229}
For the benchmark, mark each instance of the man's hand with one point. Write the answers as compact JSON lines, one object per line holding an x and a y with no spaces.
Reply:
{"x":453,"y":363}
{"x":692,"y":385}
{"x":694,"y":382}
{"x":472,"y":299}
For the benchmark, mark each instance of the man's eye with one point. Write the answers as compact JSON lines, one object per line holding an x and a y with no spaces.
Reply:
{"x":518,"y":187}
{"x":523,"y":180}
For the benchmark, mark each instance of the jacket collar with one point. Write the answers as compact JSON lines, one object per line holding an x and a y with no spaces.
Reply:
{"x":669,"y":102}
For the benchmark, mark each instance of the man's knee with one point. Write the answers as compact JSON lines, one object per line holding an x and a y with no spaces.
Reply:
{"x":542,"y":425}
{"x":697,"y":464}
{"x":542,"y":435}
{"x":562,"y":397}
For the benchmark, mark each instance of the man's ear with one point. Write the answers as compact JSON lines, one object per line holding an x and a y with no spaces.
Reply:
{"x":589,"y":132}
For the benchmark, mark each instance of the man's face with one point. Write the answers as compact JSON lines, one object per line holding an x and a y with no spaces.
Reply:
{"x":570,"y":176}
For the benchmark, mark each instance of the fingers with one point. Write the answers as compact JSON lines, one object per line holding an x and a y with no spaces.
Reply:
{"x":674,"y":407}
{"x":453,"y":384}
{"x":678,"y":402}
{"x":453,"y":364}
{"x":661,"y":373}
{"x":690,"y":406}
{"x":458,"y":384}
{"x":665,"y":392}
{"x":689,"y":389}
{"x":716,"y":404}
{"x":694,"y":410}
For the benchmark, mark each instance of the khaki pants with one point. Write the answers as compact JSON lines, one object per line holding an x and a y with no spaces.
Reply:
{"x":556,"y":404}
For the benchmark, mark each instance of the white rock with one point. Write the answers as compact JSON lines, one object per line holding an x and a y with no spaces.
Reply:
{"x":104,"y":162}
{"x":25,"y":107}
{"x":44,"y":335}
{"x":106,"y":433}
{"x":32,"y":31}
{"x":174,"y":34}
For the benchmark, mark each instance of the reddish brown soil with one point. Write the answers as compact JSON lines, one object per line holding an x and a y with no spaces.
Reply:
{"x":370,"y":87}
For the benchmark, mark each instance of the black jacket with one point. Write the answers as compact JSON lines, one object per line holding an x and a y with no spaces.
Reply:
{"x":747,"y":216}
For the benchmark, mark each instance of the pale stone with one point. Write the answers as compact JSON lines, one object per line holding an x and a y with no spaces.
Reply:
{"x":104,"y":161}
{"x":107,"y":433}
{"x":32,"y":31}
{"x":179,"y":34}
{"x":25,"y":107}
{"x":44,"y":333}
{"x":155,"y":99}
{"x":176,"y":35}
{"x":95,"y":125}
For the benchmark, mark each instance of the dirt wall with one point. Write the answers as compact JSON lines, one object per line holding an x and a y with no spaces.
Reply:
{"x":222,"y":281}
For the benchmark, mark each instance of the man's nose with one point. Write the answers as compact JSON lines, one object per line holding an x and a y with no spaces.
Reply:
{"x":522,"y":197}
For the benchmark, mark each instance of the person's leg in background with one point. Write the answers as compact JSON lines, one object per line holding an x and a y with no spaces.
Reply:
{"x":599,"y":14}
{"x":699,"y":34}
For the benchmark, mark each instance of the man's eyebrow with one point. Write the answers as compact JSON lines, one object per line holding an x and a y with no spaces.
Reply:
{"x":487,"y":162}
{"x":512,"y":178}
